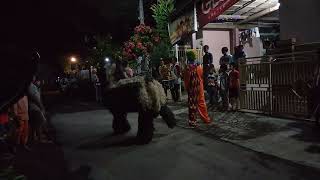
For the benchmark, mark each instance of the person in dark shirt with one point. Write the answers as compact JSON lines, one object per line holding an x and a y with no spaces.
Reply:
{"x":212,"y":86}
{"x":238,"y":55}
{"x":225,"y":58}
{"x":207,"y":60}
{"x":224,"y":87}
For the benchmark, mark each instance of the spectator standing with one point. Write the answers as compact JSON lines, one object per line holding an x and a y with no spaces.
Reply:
{"x":207,"y":60}
{"x":176,"y":73}
{"x":161,"y":68}
{"x":226,"y":58}
{"x":224,"y":86}
{"x":165,"y":72}
{"x":238,"y":54}
{"x":212,"y":86}
{"x":127,"y":69}
{"x":97,"y":86}
{"x":234,"y":87}
{"x":20,"y":131}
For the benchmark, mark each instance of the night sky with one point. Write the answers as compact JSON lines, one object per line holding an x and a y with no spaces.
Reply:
{"x":57,"y":27}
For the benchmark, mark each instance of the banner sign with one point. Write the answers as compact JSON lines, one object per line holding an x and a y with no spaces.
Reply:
{"x":209,"y":10}
{"x":182,"y":26}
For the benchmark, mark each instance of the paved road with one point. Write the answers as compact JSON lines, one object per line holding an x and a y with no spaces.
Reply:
{"x":173,"y":154}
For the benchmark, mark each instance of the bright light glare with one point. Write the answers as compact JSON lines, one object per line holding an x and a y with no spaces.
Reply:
{"x":73,"y":59}
{"x":107,"y":59}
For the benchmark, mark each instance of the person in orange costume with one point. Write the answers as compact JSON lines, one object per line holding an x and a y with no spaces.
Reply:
{"x":20,"y":112}
{"x":194,"y":86}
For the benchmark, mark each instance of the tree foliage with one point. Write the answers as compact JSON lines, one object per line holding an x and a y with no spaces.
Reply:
{"x":103,"y":48}
{"x":162,"y":10}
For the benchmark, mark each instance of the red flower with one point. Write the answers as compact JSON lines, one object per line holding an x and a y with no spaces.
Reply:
{"x":139,"y":45}
{"x":157,"y":39}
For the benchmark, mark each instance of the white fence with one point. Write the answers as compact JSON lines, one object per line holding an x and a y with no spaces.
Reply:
{"x":180,"y":52}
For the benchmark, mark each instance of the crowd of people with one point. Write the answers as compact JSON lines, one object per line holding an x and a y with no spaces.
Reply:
{"x":222,"y":86}
{"x":25,"y":121}
{"x":170,"y":75}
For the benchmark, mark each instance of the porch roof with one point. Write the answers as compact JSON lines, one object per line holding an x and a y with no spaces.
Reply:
{"x":248,"y":11}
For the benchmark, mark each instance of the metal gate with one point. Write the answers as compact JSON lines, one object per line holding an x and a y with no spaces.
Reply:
{"x":278,"y":85}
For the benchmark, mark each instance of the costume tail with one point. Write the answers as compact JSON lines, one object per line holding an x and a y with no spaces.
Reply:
{"x":168,"y":116}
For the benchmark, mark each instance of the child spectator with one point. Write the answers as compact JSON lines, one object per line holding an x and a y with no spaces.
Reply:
{"x":225,"y":58}
{"x":224,"y":86}
{"x":212,"y":86}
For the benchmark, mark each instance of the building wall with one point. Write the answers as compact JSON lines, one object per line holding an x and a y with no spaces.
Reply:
{"x":299,"y":19}
{"x":216,"y":39}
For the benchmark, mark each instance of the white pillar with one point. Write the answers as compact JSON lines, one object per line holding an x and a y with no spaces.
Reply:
{"x":176,"y":47}
{"x":141,"y":12}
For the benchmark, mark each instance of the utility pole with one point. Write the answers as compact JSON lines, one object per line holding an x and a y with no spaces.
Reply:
{"x":141,"y":12}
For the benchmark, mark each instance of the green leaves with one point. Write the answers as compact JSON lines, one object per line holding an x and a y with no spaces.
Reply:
{"x":162,"y":10}
{"x":104,"y":48}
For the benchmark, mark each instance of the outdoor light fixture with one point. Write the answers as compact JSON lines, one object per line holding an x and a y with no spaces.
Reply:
{"x":73,"y":59}
{"x":107,"y":59}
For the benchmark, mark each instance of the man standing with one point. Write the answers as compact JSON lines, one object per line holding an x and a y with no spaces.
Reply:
{"x":176,"y":73}
{"x":226,"y":58}
{"x":165,"y":72}
{"x":238,"y":55}
{"x":207,"y":60}
{"x":224,"y":87}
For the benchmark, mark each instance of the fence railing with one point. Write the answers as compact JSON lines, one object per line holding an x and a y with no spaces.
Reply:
{"x":278,"y":84}
{"x":181,"y":51}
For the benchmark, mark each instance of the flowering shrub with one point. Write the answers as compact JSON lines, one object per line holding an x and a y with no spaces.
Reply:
{"x":141,"y":43}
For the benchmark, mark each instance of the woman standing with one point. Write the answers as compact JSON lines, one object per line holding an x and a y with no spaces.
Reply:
{"x":194,"y":86}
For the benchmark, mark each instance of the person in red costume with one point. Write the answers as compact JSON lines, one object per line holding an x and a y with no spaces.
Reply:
{"x":194,"y":85}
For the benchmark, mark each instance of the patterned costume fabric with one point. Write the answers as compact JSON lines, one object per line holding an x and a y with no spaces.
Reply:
{"x":193,"y":94}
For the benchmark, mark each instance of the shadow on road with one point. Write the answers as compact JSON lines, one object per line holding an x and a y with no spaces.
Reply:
{"x":309,"y":132}
{"x":108,"y":142}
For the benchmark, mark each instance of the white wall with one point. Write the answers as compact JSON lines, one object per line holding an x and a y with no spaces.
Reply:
{"x":216,"y":40}
{"x":300,"y":19}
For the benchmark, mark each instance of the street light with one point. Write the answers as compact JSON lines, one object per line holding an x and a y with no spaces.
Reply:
{"x":73,"y":59}
{"x":107,"y":59}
